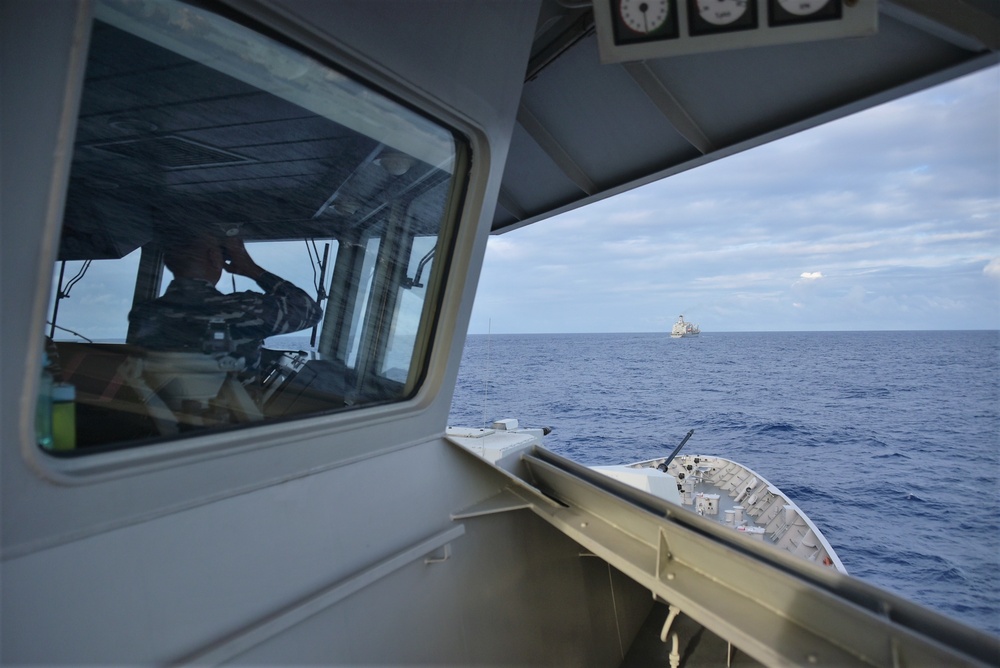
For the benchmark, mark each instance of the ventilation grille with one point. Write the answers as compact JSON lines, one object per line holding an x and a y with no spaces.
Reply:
{"x":172,"y":152}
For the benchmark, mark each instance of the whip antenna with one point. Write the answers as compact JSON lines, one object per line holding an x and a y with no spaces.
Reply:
{"x":486,"y":383}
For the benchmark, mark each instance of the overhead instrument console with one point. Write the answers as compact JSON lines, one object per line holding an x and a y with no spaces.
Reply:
{"x":643,"y":29}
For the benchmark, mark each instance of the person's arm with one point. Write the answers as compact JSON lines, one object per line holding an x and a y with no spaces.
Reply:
{"x":238,"y":260}
{"x":286,"y":308}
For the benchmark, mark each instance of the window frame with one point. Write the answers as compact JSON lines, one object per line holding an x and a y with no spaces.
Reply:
{"x":168,"y":450}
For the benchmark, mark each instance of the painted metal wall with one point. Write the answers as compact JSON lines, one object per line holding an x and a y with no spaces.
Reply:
{"x":296,"y":542}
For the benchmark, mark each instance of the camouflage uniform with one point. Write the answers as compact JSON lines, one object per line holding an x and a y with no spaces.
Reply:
{"x":182,"y":318}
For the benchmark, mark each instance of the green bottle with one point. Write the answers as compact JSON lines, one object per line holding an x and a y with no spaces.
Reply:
{"x":63,"y":416}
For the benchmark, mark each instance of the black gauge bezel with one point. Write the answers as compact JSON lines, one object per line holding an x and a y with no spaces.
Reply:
{"x":625,"y":35}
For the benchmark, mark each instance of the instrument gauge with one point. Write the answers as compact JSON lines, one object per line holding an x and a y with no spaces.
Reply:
{"x":644,"y":16}
{"x":638,"y":21}
{"x":706,"y":17}
{"x":721,"y":12}
{"x":802,"y":7}
{"x":784,"y":12}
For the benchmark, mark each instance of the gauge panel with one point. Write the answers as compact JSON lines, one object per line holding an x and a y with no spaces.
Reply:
{"x":630,"y":30}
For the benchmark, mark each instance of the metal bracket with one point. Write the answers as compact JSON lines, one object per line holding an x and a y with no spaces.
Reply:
{"x":444,"y":552}
{"x":779,"y":609}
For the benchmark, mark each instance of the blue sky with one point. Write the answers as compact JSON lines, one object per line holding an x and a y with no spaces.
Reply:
{"x":885,"y":220}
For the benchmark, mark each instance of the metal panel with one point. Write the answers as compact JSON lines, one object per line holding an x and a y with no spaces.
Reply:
{"x":779,"y":609}
{"x":622,"y":131}
{"x":605,"y":120}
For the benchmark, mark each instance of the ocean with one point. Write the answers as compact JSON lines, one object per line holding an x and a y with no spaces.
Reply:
{"x":889,"y":441}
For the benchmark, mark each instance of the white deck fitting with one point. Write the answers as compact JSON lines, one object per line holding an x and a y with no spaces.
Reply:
{"x":745,"y":501}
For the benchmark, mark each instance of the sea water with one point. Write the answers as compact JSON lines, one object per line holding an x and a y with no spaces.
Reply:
{"x":889,"y":441}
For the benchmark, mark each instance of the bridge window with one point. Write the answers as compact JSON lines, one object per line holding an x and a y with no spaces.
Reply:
{"x":249,"y":234}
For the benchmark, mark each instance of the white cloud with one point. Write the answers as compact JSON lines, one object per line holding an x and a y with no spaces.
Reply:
{"x":992,"y":268}
{"x":811,"y":275}
{"x":635,"y":216}
{"x":502,"y":247}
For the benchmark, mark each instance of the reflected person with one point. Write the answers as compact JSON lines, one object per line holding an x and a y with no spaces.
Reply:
{"x":192,"y":310}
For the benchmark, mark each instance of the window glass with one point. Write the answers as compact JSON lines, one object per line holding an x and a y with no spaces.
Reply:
{"x":300,"y":263}
{"x":406,"y":321}
{"x":368,"y":259}
{"x":100,"y":302}
{"x":263,"y":227}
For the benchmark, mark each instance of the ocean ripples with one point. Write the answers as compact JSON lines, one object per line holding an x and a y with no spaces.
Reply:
{"x":772,"y":427}
{"x":864,"y":393}
{"x":804,"y":496}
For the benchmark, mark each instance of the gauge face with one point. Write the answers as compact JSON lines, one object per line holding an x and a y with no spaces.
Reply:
{"x":711,"y":17}
{"x":802,"y":7}
{"x":787,"y":12}
{"x":644,"y":16}
{"x":722,"y":12}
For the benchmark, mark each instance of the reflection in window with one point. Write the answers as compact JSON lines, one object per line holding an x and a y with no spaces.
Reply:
{"x":406,"y":320}
{"x":100,"y":293}
{"x":265,"y":224}
{"x":361,"y":293}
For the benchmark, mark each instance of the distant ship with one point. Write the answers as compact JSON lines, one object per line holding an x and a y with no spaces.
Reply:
{"x":683,"y":329}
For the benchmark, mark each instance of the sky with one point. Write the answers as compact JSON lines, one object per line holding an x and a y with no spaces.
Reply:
{"x":885,"y":220}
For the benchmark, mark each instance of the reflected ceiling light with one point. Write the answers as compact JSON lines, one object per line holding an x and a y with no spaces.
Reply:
{"x":346,"y":206}
{"x":230,"y":229}
{"x":396,"y":164}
